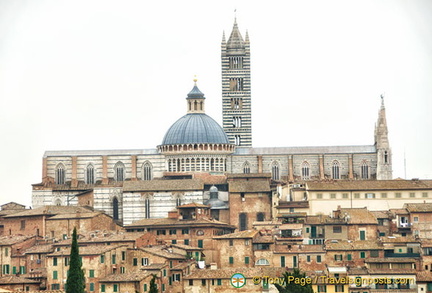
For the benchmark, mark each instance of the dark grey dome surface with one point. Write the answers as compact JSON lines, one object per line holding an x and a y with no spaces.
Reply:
{"x":195,"y":128}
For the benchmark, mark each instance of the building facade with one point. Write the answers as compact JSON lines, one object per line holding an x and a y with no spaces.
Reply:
{"x":197,"y":153}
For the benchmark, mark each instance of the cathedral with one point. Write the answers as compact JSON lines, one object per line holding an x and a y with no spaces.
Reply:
{"x":201,"y":161}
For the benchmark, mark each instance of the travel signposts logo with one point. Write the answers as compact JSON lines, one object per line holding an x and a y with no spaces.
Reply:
{"x":238,"y":280}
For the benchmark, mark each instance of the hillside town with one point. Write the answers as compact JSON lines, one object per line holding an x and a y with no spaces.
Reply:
{"x":205,"y":211}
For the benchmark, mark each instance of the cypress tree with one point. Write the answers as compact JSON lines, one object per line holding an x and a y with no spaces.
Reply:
{"x":75,"y":281}
{"x":153,"y":287}
{"x":292,"y":287}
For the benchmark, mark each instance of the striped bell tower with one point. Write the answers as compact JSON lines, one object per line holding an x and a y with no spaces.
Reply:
{"x":236,"y":88}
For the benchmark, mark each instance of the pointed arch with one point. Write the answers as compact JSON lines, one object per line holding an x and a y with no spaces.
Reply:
{"x":246,"y":167}
{"x":115,"y":208}
{"x":119,"y":171}
{"x":60,"y":174}
{"x":305,"y":170}
{"x":90,"y":174}
{"x":147,"y":171}
{"x":275,"y":170}
{"x":335,"y":170}
{"x":364,"y":168}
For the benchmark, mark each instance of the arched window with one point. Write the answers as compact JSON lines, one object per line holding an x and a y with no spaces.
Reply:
{"x":115,"y":206}
{"x":335,"y":170}
{"x":275,"y":171}
{"x":147,"y":171}
{"x":305,"y":171}
{"x":385,"y":157}
{"x":119,"y":171}
{"x":364,"y":170}
{"x":60,"y":174}
{"x":246,"y":168}
{"x":90,"y":177}
{"x":262,"y":262}
{"x":260,"y":217}
{"x":242,"y":222}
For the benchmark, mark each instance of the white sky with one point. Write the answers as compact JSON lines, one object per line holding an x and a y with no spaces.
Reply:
{"x":115,"y":74}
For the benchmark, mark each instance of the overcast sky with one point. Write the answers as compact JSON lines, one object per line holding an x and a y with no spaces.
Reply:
{"x":86,"y":75}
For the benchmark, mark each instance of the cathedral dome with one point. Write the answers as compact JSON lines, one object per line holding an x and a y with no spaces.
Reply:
{"x":195,"y":128}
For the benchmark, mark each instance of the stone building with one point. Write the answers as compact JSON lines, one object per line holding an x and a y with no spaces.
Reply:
{"x":132,"y":185}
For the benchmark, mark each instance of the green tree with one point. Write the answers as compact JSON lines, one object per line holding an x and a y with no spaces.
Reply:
{"x":75,"y":281}
{"x":153,"y":286}
{"x":293,"y":283}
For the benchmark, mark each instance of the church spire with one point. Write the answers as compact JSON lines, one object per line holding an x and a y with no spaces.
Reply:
{"x":382,"y":144}
{"x":235,"y":40}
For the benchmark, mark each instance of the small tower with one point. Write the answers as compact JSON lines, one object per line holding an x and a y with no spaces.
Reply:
{"x":384,"y":156}
{"x":236,"y":88}
{"x":195,"y":100}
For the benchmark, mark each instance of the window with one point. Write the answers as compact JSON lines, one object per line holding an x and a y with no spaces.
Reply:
{"x":144,"y":261}
{"x":236,"y":84}
{"x":219,"y":282}
{"x":246,"y":259}
{"x":147,"y":171}
{"x":322,"y":288}
{"x":135,"y":262}
{"x":243,"y":222}
{"x":308,"y":258}
{"x":92,"y":287}
{"x":91,"y":274}
{"x":335,"y":170}
{"x":344,"y":195}
{"x":190,"y":282}
{"x":231,"y":260}
{"x":115,"y":207}
{"x":333,"y":195}
{"x":6,"y":269}
{"x":356,"y":195}
{"x":364,"y":170}
{"x":102,"y":259}
{"x":185,"y":231}
{"x":113,"y":259}
{"x":260,"y":217}
{"x":174,"y":241}
{"x":55,"y":275}
{"x":102,"y":288}
{"x":54,"y":261}
{"x":362,"y":234}
{"x":339,"y":288}
{"x":115,"y":288}
{"x":338,"y":257}
{"x":398,"y":195}
{"x":305,"y":171}
{"x":119,"y":171}
{"x":246,"y":168}
{"x":231,"y":242}
{"x":60,"y":174}
{"x":318,"y":258}
{"x":236,"y":122}
{"x":200,"y":243}
{"x":282,"y":261}
{"x":424,"y":194}
{"x":90,"y":178}
{"x":235,"y":62}
{"x":122,"y":270}
{"x":173,"y":231}
{"x":362,"y":254}
{"x":161,"y":232}
{"x":123,"y":255}
{"x":186,"y":242}
{"x":237,"y":139}
{"x":383,"y":195}
{"x":374,"y":253}
{"x":319,"y":196}
{"x":349,"y":256}
{"x":275,"y":171}
{"x":416,"y":219}
{"x":337,"y":229}
{"x":262,"y":262}
{"x":412,"y":194}
{"x":55,"y":286}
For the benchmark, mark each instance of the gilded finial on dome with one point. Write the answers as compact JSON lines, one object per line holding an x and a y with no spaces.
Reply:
{"x":195,"y":79}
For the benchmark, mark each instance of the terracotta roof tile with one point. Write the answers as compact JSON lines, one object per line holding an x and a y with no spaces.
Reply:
{"x":365,"y":185}
{"x":163,"y":252}
{"x":228,"y":272}
{"x":50,"y":210}
{"x":238,"y":235}
{"x":418,"y":207}
{"x":12,"y":239}
{"x":160,"y":185}
{"x":12,"y":279}
{"x":424,"y":276}
{"x":87,"y":250}
{"x":249,"y":186}
{"x":45,"y":248}
{"x":127,"y":277}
